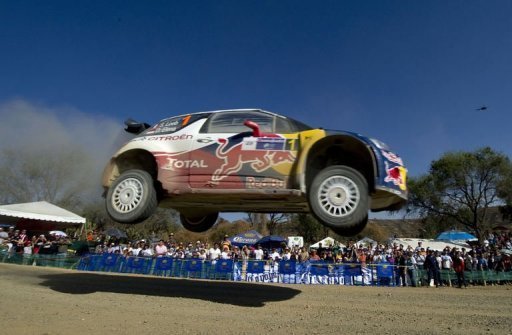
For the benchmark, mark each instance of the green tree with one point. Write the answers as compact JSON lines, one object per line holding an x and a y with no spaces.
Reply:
{"x":307,"y":227}
{"x":460,"y":188}
{"x":57,"y":176}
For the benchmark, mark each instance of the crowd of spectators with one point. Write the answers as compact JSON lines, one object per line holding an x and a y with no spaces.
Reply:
{"x":18,"y":241}
{"x":494,"y":254}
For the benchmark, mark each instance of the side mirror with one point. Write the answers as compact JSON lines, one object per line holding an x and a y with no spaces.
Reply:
{"x":135,"y":127}
{"x":255,"y":128}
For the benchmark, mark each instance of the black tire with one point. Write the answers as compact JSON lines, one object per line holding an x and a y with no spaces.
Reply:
{"x":338,"y":198}
{"x":132,"y":197}
{"x":199,"y":224}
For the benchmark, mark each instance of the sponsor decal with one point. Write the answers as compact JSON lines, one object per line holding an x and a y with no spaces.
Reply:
{"x":263,"y":144}
{"x":236,"y":156}
{"x":170,"y":137}
{"x":176,"y":164}
{"x":392,"y":157}
{"x":252,"y":182}
{"x":396,"y":175}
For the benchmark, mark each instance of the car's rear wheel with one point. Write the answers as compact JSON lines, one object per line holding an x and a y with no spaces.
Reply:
{"x":132,"y":197}
{"x":338,"y":198}
{"x":199,"y":224}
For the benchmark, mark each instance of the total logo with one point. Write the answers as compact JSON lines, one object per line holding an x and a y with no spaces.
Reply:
{"x":174,"y":164}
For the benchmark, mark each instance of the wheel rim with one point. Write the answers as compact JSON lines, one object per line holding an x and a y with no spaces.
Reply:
{"x":127,"y":195}
{"x":338,"y":196}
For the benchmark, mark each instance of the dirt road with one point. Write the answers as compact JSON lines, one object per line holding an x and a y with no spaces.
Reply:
{"x":35,"y":300}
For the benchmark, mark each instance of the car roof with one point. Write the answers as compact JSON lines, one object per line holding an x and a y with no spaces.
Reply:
{"x":233,"y":110}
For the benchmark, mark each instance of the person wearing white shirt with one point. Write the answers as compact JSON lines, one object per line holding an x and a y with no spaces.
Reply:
{"x":446,"y":261}
{"x":225,"y":254}
{"x":214,"y":252}
{"x":258,"y":253}
{"x":287,"y":254}
{"x":275,"y":256}
{"x":146,"y":252}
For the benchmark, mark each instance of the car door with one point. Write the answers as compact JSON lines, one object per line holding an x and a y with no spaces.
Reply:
{"x":240,"y":157}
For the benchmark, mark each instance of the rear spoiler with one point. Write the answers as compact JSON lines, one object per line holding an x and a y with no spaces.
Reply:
{"x":135,"y":127}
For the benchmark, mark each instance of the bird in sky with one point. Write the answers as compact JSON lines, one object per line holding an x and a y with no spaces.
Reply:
{"x":483,"y":108}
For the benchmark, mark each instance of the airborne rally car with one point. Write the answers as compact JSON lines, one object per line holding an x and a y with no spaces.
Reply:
{"x":251,"y":161}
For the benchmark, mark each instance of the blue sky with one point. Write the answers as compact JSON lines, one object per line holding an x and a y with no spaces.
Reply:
{"x":410,"y":73}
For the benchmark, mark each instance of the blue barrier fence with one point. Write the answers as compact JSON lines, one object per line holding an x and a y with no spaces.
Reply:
{"x":382,"y":274}
{"x":54,"y":260}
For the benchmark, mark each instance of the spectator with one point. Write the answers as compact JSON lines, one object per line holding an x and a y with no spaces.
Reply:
{"x":329,"y":257}
{"x":420,"y":258}
{"x":225,"y":254}
{"x":287,"y":255}
{"x":146,"y":251}
{"x":314,"y":256}
{"x":160,"y":249}
{"x":400,"y":269}
{"x":172,"y":239}
{"x":458,"y":266}
{"x":226,"y":242}
{"x":4,"y":236}
{"x":214,"y":252}
{"x":38,"y":243}
{"x":275,"y":256}
{"x":202,"y":255}
{"x":258,"y":253}
{"x":412,"y":268}
{"x":303,"y":255}
{"x":430,"y":266}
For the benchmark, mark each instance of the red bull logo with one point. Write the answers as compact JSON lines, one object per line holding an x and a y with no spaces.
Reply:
{"x":396,"y":175}
{"x":236,"y":156}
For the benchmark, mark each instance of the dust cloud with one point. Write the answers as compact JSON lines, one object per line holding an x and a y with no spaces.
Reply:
{"x":34,"y":131}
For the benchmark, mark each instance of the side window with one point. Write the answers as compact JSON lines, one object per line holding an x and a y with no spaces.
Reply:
{"x":283,"y":126}
{"x":233,"y":122}
{"x":173,"y":124}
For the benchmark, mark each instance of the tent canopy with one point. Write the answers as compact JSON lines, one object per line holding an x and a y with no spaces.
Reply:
{"x":246,"y":238}
{"x":438,"y":245}
{"x":272,"y":241}
{"x":327,"y":242}
{"x":39,"y":216}
{"x":366,"y":242}
{"x":455,"y":235}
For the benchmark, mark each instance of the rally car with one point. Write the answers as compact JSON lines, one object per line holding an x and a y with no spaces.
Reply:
{"x":251,"y":160}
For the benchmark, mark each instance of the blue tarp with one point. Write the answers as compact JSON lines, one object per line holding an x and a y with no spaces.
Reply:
{"x":455,"y":235}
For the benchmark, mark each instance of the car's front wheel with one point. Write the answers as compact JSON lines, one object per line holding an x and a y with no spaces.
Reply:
{"x":199,"y":224}
{"x":338,"y":198}
{"x":132,"y":197}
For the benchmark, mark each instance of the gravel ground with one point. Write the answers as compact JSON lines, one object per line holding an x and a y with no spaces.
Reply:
{"x":36,"y":300}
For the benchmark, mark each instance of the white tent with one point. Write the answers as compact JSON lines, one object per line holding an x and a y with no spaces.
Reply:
{"x":366,"y":242}
{"x":327,"y":242}
{"x":39,"y":216}
{"x":427,"y":243}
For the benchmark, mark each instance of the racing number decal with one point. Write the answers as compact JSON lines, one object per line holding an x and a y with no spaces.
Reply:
{"x":185,"y":121}
{"x":290,"y":144}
